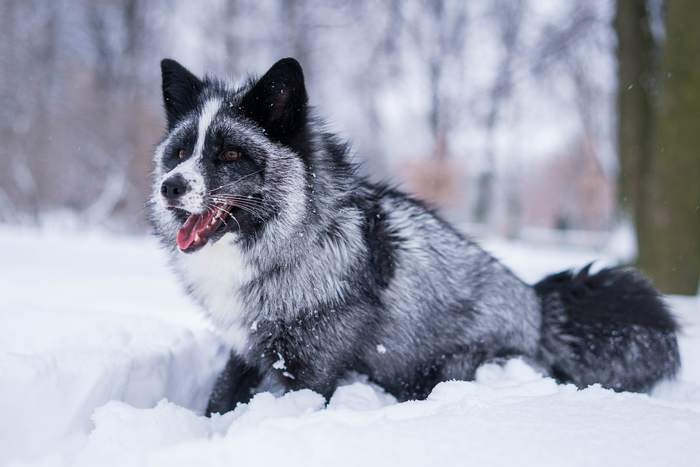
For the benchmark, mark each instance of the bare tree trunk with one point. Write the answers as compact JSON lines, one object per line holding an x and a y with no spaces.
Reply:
{"x":635,"y":56}
{"x":509,"y":15}
{"x":670,"y":240}
{"x":231,"y":42}
{"x":436,"y":63}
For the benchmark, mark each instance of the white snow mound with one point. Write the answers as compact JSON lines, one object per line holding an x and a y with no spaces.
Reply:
{"x":103,"y":362}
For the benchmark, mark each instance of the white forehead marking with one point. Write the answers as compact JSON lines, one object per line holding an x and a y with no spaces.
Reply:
{"x":211,"y":107}
{"x":191,"y":169}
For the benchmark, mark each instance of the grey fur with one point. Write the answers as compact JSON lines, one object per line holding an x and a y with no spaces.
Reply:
{"x":328,"y":273}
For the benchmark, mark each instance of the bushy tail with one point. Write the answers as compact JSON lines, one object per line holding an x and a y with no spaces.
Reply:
{"x":611,"y":328}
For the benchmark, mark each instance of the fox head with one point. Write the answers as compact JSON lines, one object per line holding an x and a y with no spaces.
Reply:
{"x":232,"y":158}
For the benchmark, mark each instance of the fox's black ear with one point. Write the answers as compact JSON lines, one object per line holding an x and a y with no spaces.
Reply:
{"x":180,"y":90}
{"x":278,"y":100}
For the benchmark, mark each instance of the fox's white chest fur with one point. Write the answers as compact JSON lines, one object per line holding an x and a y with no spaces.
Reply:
{"x":215,"y":275}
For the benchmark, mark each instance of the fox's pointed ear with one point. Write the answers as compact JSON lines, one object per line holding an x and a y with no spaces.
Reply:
{"x":180,"y":90}
{"x":277,"y":101}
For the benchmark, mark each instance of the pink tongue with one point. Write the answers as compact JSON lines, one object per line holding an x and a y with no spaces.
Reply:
{"x":191,"y":233}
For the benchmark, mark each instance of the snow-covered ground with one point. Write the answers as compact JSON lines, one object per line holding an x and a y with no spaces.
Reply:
{"x":103,"y":361}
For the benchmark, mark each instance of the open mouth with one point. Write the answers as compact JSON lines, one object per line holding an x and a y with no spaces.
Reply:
{"x":198,"y":228}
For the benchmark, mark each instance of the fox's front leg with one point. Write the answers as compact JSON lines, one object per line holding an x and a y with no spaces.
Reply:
{"x":235,"y":384}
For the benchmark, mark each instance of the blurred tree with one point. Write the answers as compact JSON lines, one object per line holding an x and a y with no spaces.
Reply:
{"x":439,"y":32}
{"x":438,"y":81}
{"x":25,"y":103}
{"x":671,"y":252}
{"x":659,"y":104}
{"x":509,"y":18}
{"x":635,"y":55}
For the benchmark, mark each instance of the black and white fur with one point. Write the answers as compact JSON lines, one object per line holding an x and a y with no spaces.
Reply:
{"x":318,"y":271}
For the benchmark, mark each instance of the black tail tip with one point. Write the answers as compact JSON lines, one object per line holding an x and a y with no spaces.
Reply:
{"x":611,"y":327}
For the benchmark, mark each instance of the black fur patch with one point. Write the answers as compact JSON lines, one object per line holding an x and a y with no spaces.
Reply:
{"x":181,"y":89}
{"x":381,"y":243}
{"x":611,"y":328}
{"x":277,"y":101}
{"x":236,"y":384}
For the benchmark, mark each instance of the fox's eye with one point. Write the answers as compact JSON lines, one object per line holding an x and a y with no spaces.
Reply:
{"x":229,"y":156}
{"x":182,"y":154}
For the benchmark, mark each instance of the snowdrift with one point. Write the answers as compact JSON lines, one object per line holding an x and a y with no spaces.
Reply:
{"x":104,"y":362}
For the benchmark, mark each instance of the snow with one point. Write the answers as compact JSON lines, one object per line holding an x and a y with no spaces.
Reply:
{"x":279,"y":364}
{"x":103,"y":361}
{"x":88,"y":319}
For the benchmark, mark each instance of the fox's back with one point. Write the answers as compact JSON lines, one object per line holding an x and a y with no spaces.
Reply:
{"x":445,"y":295}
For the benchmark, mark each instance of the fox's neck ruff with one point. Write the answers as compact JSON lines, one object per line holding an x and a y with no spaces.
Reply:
{"x":216,"y":275}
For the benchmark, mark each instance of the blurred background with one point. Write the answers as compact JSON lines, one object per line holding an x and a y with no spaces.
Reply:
{"x":553,"y":121}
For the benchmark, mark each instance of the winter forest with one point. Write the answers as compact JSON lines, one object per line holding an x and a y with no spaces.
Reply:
{"x":514,"y":117}
{"x":555,"y":133}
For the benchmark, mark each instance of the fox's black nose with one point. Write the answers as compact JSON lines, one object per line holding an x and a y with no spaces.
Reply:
{"x":174,"y":187}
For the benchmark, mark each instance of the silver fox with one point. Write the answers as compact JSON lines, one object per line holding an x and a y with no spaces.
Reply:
{"x":312,"y":271}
